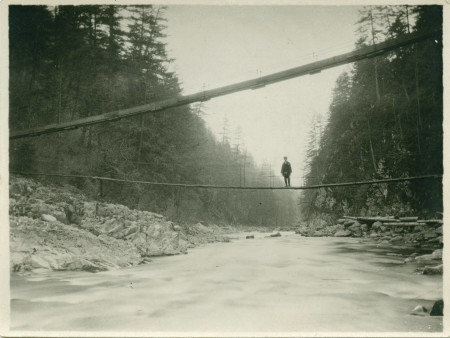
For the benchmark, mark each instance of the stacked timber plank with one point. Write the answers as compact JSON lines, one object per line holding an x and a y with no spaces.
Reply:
{"x":396,"y":221}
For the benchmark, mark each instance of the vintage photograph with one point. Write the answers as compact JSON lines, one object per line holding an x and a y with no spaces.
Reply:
{"x":225,"y":170}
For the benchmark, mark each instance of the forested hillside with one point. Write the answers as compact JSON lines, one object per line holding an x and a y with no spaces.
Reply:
{"x":385,"y":121}
{"x":69,"y":62}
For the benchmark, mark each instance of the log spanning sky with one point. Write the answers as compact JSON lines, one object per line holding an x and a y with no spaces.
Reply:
{"x":272,"y":125}
{"x":256,"y":83}
{"x":229,"y":44}
{"x":215,"y":46}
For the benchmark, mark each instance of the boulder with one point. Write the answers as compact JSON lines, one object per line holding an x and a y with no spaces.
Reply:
{"x":48,"y":218}
{"x":342,"y":233}
{"x":39,"y":262}
{"x":399,"y":230}
{"x":12,"y":201}
{"x":275,"y":235}
{"x":349,"y":222}
{"x":355,"y":227}
{"x":377,"y":226}
{"x":131,"y":230}
{"x":436,"y":255}
{"x":341,"y":220}
{"x":419,"y":310}
{"x":127,"y":223}
{"x":364,"y":227}
{"x":109,"y":225}
{"x":438,"y":308}
{"x":116,"y":229}
{"x":90,"y":209}
{"x":331,"y":230}
{"x":433,"y":270}
{"x":396,"y":239}
{"x":250,"y":237}
{"x":60,"y":216}
{"x":38,"y":208}
{"x":321,"y":224}
{"x":102,"y":211}
{"x":74,"y":213}
{"x":427,"y":257}
{"x":21,"y":186}
{"x":431,"y":233}
{"x":15,"y":189}
{"x":319,"y":233}
{"x":201,"y":227}
{"x":84,"y":265}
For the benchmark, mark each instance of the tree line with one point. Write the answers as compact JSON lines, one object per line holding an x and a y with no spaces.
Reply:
{"x":384,"y":121}
{"x":69,"y":62}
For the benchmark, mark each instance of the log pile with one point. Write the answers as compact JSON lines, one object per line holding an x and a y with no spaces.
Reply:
{"x":407,"y":232}
{"x":396,"y":221}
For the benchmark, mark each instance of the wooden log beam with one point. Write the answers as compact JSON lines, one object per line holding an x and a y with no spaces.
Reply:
{"x":408,"y":219}
{"x":311,"y":68}
{"x":373,"y":219}
{"x":401,"y":223}
{"x":438,"y":221}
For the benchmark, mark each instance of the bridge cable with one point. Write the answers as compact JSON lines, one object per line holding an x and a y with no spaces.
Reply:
{"x":206,"y":186}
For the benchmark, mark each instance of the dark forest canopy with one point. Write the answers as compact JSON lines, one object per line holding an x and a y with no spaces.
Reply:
{"x":68,"y":62}
{"x":385,"y":120}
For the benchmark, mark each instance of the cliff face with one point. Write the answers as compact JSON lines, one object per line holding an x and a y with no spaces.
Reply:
{"x":59,"y":228}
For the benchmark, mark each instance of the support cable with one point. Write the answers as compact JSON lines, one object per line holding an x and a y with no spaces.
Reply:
{"x":207,"y":186}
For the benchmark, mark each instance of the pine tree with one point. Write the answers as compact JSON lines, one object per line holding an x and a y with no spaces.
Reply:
{"x":384,"y":132}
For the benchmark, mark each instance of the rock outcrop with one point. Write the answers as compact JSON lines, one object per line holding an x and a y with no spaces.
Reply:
{"x":438,"y":308}
{"x":420,"y":310}
{"x":423,"y":237}
{"x":56,"y":246}
{"x":59,"y":228}
{"x":342,"y":233}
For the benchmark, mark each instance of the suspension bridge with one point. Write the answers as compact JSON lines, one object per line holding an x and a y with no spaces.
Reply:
{"x":365,"y":52}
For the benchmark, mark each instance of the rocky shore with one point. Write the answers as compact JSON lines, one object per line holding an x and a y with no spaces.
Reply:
{"x":55,"y":227}
{"x":425,"y":239}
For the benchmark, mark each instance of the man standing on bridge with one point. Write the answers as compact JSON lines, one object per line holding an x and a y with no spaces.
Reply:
{"x":286,"y":171}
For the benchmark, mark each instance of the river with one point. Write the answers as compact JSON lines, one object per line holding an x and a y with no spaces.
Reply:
{"x":284,"y":284}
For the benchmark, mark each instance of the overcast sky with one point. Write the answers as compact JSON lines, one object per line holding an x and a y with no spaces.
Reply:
{"x":220,"y":45}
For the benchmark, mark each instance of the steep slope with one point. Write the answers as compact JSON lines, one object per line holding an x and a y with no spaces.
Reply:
{"x":385,"y":121}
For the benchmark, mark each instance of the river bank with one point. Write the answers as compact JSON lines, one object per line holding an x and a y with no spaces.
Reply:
{"x":57,"y":227}
{"x":423,"y":243}
{"x":233,"y":284}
